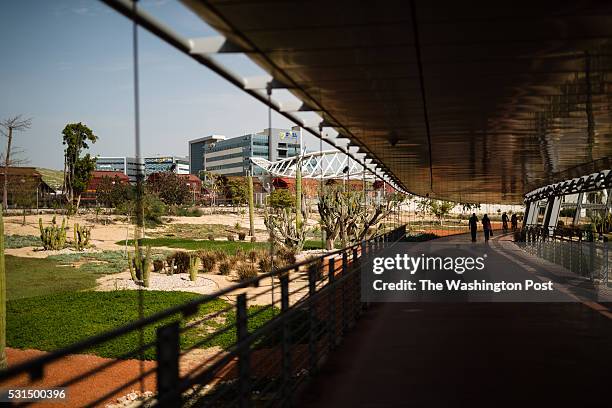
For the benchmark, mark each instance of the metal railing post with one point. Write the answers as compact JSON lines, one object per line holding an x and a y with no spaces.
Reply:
{"x":244,"y":352}
{"x":168,"y":351}
{"x":343,"y":293}
{"x":355,"y":304}
{"x":312,"y":288}
{"x":331,"y":321}
{"x":368,"y":244}
{"x":285,"y":339}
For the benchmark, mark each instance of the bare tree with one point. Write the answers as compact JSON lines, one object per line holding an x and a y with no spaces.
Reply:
{"x":7,"y":127}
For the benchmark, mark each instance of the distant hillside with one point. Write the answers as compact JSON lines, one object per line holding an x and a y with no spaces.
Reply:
{"x":54,"y":178}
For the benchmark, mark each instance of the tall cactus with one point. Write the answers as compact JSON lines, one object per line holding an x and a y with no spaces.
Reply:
{"x":343,"y":213}
{"x":140,"y":265}
{"x":329,"y":205}
{"x":81,"y":236}
{"x":282,"y":227}
{"x":52,"y":237}
{"x":251,"y":208}
{"x":193,"y":268}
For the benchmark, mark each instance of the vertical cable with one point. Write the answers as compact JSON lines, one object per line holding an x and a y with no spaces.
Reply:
{"x":321,"y":184}
{"x":271,"y":239}
{"x":139,"y":230}
{"x":417,"y":47}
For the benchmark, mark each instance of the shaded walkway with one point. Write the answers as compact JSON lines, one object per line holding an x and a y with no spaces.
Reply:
{"x":470,"y":354}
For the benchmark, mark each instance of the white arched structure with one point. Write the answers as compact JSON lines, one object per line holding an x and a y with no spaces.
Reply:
{"x":327,"y":164}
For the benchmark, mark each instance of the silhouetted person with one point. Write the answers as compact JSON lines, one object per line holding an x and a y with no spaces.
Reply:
{"x":514,"y":222}
{"x":473,"y":226}
{"x":505,"y":220}
{"x":486,"y":227}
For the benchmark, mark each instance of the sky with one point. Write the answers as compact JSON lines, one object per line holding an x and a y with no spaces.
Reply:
{"x":68,"y":61}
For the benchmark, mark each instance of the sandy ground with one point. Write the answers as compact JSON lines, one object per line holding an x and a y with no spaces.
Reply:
{"x":104,"y":237}
{"x":105,"y":381}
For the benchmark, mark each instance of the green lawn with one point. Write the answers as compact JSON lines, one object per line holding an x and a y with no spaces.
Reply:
{"x":27,"y":277}
{"x":199,"y":231}
{"x":54,"y":321}
{"x":227,"y":246}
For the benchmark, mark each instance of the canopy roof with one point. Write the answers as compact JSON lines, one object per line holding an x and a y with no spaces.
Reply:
{"x":469,"y":101}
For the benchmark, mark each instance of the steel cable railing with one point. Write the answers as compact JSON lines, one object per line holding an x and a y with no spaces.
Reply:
{"x":582,"y":252}
{"x":270,"y":347}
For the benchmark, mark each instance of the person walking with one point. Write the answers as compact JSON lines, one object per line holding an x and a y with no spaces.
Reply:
{"x":514,"y":222}
{"x":505,"y":220}
{"x":473,"y":226}
{"x":486,"y":227}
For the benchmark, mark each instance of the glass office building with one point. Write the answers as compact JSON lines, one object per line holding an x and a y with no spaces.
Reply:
{"x":129,"y":165}
{"x":231,"y":157}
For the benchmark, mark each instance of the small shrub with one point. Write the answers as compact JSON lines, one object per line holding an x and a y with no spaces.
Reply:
{"x":246,"y":271}
{"x":280,"y":263}
{"x":225,"y":268}
{"x":230,"y":237}
{"x":237,"y":226}
{"x":264,"y":264}
{"x":241,"y":236}
{"x":180,"y":261}
{"x":281,"y":198}
{"x":208,"y":260}
{"x":158,"y":265}
{"x":240,"y":255}
{"x":211,"y":237}
{"x":220,"y":256}
{"x":286,"y":255}
{"x":184,"y":212}
{"x":253,"y":255}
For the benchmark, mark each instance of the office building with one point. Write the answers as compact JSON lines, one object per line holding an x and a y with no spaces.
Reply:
{"x":197,"y":150}
{"x":160,"y":164}
{"x":231,"y":157}
{"x":129,"y":165}
{"x":125,"y":165}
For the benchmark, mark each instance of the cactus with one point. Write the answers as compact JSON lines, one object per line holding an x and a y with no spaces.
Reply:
{"x":52,"y":237}
{"x":193,"y":268}
{"x":140,"y":265}
{"x":298,"y":194}
{"x":343,"y":213}
{"x":146,"y":271}
{"x":251,"y":207}
{"x":282,"y":227}
{"x":81,"y":237}
{"x":131,"y":266}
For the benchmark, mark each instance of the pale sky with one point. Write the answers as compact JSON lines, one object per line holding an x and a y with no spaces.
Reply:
{"x":71,"y":61}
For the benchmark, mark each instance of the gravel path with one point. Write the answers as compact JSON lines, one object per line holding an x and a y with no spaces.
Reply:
{"x":158,"y":281}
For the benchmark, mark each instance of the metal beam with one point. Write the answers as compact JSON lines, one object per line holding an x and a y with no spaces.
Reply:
{"x":151,"y":24}
{"x":217,"y":44}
